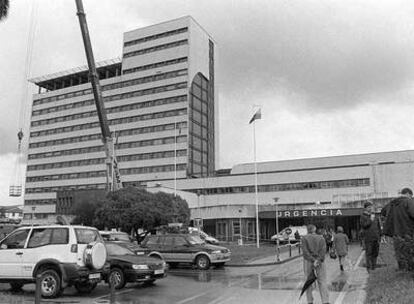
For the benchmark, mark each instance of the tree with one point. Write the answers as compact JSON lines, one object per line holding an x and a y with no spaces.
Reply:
{"x":4,"y":9}
{"x":133,"y":208}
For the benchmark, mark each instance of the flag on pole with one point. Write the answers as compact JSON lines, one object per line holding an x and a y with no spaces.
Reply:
{"x":257,"y":115}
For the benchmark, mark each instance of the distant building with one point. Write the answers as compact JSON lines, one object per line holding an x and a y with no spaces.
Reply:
{"x":12,"y":214}
{"x":161,"y":103}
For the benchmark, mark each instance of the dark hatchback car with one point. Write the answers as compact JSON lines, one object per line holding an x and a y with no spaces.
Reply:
{"x":185,"y":248}
{"x":122,"y":239}
{"x":126,"y":266}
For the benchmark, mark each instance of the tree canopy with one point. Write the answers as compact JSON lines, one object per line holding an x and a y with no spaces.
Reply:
{"x":4,"y":8}
{"x":132,"y":208}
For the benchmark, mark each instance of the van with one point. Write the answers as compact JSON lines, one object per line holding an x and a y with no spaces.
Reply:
{"x":287,"y":235}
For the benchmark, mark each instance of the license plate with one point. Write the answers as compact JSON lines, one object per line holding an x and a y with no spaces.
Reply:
{"x":158,"y":271}
{"x":93,"y":276}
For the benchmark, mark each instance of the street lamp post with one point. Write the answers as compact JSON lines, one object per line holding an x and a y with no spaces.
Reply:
{"x":276,"y":199}
{"x":240,"y":227}
{"x":198,"y":211}
{"x":33,"y":211}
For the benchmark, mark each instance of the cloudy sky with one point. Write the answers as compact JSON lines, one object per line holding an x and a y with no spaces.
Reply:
{"x":332,"y":77}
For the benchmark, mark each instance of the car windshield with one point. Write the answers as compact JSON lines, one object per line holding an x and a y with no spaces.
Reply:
{"x":195,"y":240}
{"x":114,"y":249}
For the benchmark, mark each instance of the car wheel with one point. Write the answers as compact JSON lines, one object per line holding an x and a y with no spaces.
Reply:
{"x":203,"y":262}
{"x":117,"y":278}
{"x":50,"y":283}
{"x":16,"y":286}
{"x":85,"y":288}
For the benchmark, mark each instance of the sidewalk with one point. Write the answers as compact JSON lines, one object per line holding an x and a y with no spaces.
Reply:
{"x":285,"y":255}
{"x":346,"y":287}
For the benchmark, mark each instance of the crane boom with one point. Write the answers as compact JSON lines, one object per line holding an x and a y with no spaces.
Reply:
{"x":113,"y":178}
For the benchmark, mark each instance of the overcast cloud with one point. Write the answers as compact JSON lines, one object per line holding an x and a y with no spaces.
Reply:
{"x":333,"y":77}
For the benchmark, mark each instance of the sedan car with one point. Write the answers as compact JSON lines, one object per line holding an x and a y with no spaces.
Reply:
{"x":185,"y":248}
{"x":126,"y":266}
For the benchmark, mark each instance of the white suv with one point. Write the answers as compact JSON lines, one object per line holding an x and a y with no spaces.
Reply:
{"x":62,"y":255}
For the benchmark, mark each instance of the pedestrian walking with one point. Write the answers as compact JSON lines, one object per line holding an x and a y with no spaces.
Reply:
{"x":328,"y":236}
{"x":399,"y":224}
{"x":314,"y":249}
{"x":372,"y":235}
{"x":340,"y":245}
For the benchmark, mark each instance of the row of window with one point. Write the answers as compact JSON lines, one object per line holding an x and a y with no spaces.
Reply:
{"x":156,"y":36}
{"x":39,"y":202}
{"x":113,"y":86}
{"x":90,"y":174}
{"x":129,"y":107}
{"x":149,"y":142}
{"x":94,"y":174}
{"x":360,"y":182}
{"x":156,"y":48}
{"x":155,"y":65}
{"x":90,"y":137}
{"x":152,"y":142}
{"x":96,"y":161}
{"x":66,"y":188}
{"x":83,"y":103}
{"x":112,"y":121}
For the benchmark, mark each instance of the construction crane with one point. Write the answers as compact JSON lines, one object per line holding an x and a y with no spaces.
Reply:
{"x":113,"y":177}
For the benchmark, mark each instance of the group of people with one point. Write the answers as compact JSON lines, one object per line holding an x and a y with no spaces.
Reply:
{"x":396,"y":220}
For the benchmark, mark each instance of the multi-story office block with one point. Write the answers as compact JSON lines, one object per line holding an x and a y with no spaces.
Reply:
{"x":161,"y":103}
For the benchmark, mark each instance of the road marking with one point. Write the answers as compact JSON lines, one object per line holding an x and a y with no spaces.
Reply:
{"x":192,"y":298}
{"x":342,"y":294}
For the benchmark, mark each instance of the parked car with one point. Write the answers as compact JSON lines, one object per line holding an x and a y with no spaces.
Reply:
{"x":126,"y":266}
{"x":204,"y":236}
{"x":122,"y":239}
{"x":287,"y":235}
{"x":61,"y":255}
{"x":185,"y":248}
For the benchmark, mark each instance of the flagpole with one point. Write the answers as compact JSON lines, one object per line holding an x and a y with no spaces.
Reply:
{"x":175,"y":156}
{"x":255,"y":186}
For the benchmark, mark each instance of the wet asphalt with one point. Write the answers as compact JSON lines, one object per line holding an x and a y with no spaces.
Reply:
{"x":185,"y":285}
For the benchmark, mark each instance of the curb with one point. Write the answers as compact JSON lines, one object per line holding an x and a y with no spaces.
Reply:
{"x":264,"y":264}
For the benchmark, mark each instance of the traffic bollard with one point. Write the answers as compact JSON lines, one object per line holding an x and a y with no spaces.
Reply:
{"x":38,"y":291}
{"x":290,"y":250}
{"x":112,"y":291}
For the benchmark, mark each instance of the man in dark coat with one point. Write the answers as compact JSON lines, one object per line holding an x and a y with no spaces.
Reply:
{"x":372,"y":235}
{"x":314,"y":249}
{"x":399,"y":224}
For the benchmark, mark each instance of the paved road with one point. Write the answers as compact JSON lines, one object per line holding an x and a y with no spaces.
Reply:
{"x":264,"y":284}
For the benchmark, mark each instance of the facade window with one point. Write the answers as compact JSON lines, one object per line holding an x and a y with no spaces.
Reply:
{"x":360,"y":182}
{"x":156,"y":48}
{"x":155,"y":65}
{"x":156,"y":36}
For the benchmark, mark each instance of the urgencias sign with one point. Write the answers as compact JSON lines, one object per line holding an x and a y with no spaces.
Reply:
{"x":312,"y":213}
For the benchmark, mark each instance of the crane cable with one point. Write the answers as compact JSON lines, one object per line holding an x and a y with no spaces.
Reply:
{"x":16,"y":184}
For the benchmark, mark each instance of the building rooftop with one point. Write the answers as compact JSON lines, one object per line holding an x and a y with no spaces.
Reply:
{"x":79,"y":75}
